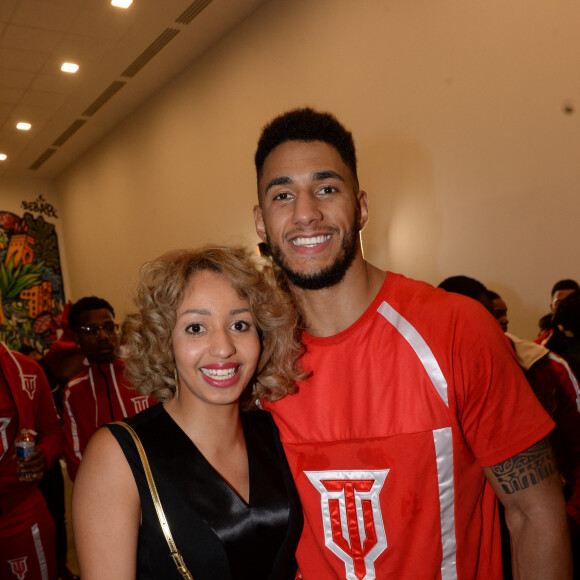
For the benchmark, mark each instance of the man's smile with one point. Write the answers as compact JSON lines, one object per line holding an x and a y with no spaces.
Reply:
{"x":311,"y":241}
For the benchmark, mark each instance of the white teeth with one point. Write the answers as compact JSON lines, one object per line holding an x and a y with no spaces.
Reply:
{"x":220,"y":374}
{"x":310,"y":242}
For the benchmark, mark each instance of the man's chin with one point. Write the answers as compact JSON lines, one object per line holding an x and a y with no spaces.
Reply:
{"x":317,"y":280}
{"x":106,"y":356}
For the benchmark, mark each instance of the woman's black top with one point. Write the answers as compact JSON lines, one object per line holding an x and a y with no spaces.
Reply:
{"x":219,"y":535}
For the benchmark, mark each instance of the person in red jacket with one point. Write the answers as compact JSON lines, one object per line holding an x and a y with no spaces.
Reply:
{"x":100,"y":393}
{"x":27,"y":536}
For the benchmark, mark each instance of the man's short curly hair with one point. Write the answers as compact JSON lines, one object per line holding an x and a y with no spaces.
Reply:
{"x":306,"y":125}
{"x":83,"y":305}
{"x":160,"y":291}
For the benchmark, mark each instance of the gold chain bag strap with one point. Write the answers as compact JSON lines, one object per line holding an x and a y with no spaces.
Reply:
{"x":175,"y":553}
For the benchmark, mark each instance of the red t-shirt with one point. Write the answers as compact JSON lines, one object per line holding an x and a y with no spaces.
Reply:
{"x":387,"y":437}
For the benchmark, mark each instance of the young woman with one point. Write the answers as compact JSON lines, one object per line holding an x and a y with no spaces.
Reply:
{"x":212,"y":335}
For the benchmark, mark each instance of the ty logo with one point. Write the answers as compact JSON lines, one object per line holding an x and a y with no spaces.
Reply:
{"x":351,"y":515}
{"x":29,"y":385}
{"x":18,"y":567}
{"x":140,"y":403}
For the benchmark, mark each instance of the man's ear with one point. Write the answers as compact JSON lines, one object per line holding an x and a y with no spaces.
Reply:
{"x":259,"y":223}
{"x":363,"y":209}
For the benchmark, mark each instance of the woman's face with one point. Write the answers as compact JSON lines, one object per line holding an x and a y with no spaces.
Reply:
{"x":215,"y":341}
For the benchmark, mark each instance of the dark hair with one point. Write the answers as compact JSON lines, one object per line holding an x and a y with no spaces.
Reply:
{"x":566,"y":284}
{"x":83,"y":305}
{"x":567,"y":314}
{"x":468,"y":287}
{"x":464,"y":285}
{"x":306,"y":125}
{"x":493,"y":295}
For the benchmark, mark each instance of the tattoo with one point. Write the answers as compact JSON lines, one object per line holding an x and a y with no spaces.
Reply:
{"x":527,"y":468}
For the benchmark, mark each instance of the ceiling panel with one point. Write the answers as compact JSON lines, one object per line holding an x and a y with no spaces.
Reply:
{"x":149,"y":42}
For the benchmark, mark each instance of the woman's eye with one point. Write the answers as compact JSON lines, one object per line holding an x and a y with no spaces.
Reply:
{"x":240,"y":325}
{"x":194,"y":328}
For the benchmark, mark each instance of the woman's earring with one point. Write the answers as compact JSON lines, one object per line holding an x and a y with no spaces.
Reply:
{"x":176,"y":394}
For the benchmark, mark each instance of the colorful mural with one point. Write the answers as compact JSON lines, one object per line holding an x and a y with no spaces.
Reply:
{"x":31,"y":287}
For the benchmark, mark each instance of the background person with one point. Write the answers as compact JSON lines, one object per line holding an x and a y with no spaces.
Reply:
{"x":100,"y":393}
{"x":560,"y":290}
{"x":212,"y":333}
{"x":27,"y":533}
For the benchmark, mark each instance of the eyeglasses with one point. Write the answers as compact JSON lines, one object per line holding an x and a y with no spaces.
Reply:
{"x":94,"y":329}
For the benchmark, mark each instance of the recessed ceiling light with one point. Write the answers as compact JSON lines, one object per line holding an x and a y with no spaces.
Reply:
{"x":69,"y":67}
{"x":23,"y":126}
{"x":3,"y":156}
{"x":121,"y":3}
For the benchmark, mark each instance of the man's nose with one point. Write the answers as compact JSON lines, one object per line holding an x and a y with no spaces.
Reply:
{"x":306,"y":209}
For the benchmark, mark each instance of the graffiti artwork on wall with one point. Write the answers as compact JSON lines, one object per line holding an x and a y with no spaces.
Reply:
{"x":31,"y":287}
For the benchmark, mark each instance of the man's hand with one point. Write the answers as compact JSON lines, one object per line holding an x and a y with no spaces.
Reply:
{"x":33,"y":467}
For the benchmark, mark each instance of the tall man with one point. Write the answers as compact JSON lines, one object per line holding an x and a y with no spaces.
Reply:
{"x":403,"y":431}
{"x":100,"y":393}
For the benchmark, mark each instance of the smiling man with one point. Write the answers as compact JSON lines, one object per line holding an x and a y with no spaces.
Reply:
{"x":100,"y":393}
{"x":402,"y":433}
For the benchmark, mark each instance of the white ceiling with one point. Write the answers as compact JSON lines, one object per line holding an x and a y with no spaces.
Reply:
{"x":70,"y":112}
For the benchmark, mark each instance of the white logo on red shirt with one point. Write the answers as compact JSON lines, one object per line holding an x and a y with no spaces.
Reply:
{"x":140,"y":403}
{"x":29,"y":386}
{"x":351,"y":515}
{"x":19,"y":567}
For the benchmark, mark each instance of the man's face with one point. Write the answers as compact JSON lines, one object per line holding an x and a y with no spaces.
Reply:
{"x":98,"y":335}
{"x":557,"y":297}
{"x":500,"y":313}
{"x":311,"y":213}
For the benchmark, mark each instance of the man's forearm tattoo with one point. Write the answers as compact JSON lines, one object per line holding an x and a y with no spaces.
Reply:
{"x":526,"y":469}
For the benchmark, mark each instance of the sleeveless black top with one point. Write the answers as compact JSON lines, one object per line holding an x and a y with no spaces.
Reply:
{"x":220,"y":536}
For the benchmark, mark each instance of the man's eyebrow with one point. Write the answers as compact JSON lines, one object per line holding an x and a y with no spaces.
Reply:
{"x":328,"y":174}
{"x":316,"y":176}
{"x":282,"y":180}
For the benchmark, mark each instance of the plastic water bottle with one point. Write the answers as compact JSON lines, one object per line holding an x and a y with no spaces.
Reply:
{"x":25,"y":446}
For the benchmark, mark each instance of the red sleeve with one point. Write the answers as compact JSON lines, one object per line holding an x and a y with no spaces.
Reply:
{"x":498,"y":411}
{"x":46,"y":421}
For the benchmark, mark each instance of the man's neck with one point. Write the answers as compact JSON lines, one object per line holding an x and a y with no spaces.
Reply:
{"x":328,"y":311}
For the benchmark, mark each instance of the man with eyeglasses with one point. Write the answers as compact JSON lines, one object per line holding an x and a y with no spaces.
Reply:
{"x":100,"y":393}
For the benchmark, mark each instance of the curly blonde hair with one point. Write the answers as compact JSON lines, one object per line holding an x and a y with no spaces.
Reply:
{"x":160,"y":291}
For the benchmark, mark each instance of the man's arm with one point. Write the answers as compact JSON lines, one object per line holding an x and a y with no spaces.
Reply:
{"x":529,"y":487}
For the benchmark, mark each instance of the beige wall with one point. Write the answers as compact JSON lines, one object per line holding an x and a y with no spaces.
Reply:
{"x":456,"y":107}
